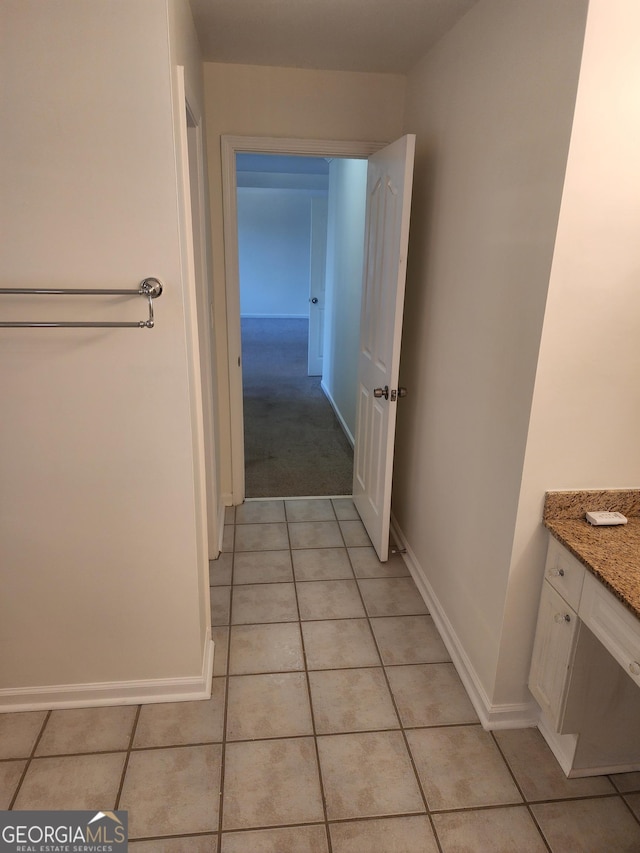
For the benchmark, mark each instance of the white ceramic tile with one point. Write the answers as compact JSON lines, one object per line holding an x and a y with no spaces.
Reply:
{"x":265,"y":648}
{"x":19,"y":732}
{"x":285,"y":839}
{"x":368,"y":775}
{"x":461,"y":767}
{"x":409,"y":639}
{"x":366,"y":564}
{"x":177,"y":723}
{"x":430,"y":695}
{"x":220,"y":637}
{"x":502,"y":830}
{"x":315,"y":534}
{"x":310,"y":510}
{"x":262,"y":567}
{"x":260,"y":512}
{"x":633,"y":801}
{"x":339,"y":643}
{"x":220,"y":569}
{"x":271,"y":782}
{"x":220,"y":600}
{"x":344,"y":508}
{"x":391,"y":835}
{"x":268,"y":706}
{"x":351,"y":700}
{"x":329,"y":600}
{"x":391,"y":597}
{"x":537,"y":771}
{"x":626,"y":781}
{"x":321,"y":564}
{"x":589,"y":826}
{"x":354,"y":533}
{"x":88,"y":730}
{"x":74,"y":782}
{"x":172,"y":791}
{"x":10,"y":773}
{"x":228,"y":537}
{"x":272,"y":602}
{"x":190,"y":844}
{"x":261,"y":537}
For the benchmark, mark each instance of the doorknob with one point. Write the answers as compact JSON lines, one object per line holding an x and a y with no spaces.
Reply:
{"x":314,"y":300}
{"x":381,"y":392}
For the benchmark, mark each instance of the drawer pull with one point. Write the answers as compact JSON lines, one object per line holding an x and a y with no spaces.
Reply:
{"x":634,"y":668}
{"x":562,"y":617}
{"x":557,"y":573}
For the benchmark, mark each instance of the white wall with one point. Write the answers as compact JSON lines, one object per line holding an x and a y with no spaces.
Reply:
{"x":284,"y":102}
{"x":100,"y":513}
{"x":185,"y":52}
{"x":585,"y":416}
{"x":345,"y":247}
{"x":492,"y":106}
{"x":274,"y":246}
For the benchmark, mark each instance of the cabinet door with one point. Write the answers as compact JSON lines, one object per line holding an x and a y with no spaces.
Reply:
{"x":552,"y":653}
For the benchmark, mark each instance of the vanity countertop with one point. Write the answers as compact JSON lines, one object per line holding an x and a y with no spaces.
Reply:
{"x":612,"y":554}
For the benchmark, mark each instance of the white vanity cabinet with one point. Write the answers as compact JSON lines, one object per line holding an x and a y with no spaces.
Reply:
{"x":555,"y":642}
{"x":617,"y":629}
{"x":585,"y":670}
{"x":556,"y":632}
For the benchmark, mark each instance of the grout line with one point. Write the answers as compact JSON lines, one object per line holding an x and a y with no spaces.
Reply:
{"x":147,"y":838}
{"x":521,"y":792}
{"x":400,"y":723}
{"x":624,"y":800}
{"x":29,"y":760}
{"x":311,"y":711}
{"x":127,"y":757}
{"x":223,"y":748}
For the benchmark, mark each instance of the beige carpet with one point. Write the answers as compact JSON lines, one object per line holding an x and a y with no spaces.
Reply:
{"x":294,"y":445}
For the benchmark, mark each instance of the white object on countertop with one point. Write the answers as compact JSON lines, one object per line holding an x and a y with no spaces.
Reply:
{"x":601,"y":519}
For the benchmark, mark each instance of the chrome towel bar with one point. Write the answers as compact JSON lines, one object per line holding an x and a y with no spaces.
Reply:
{"x":150,"y":288}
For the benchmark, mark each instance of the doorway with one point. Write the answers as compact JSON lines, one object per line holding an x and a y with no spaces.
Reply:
{"x":298,"y":411}
{"x":338,"y":365}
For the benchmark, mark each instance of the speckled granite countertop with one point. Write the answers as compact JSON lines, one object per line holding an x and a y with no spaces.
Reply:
{"x":612,"y":554}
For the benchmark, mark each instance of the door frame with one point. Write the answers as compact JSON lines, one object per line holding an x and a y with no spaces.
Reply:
{"x":230,"y":146}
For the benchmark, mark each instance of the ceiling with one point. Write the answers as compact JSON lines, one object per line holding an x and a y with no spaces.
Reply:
{"x":344,"y":35}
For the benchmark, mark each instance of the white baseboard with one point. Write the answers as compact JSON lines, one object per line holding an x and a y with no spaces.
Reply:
{"x":338,"y":414}
{"x":506,"y":716}
{"x":143,"y":692}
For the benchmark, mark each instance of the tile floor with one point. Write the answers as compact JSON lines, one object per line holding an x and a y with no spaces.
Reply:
{"x":337,"y":724}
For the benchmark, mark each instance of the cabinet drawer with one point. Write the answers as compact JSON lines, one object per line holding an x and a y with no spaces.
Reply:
{"x":613,"y":624}
{"x":564,"y":573}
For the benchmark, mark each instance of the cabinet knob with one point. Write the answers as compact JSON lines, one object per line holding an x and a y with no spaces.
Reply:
{"x":557,"y":573}
{"x":562,"y":617}
{"x":634,"y":668}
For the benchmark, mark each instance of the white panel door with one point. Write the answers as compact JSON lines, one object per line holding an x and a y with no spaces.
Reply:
{"x":389,"y":183}
{"x":319,"y":214}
